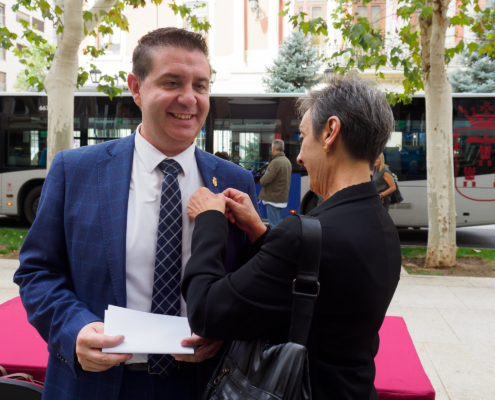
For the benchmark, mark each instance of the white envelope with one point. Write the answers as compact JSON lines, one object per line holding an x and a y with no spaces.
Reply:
{"x":146,"y":333}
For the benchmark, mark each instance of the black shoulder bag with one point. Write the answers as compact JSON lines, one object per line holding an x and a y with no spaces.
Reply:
{"x":255,"y":369}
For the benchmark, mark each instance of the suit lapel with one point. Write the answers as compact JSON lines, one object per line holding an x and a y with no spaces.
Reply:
{"x":114,"y":177}
{"x":207,"y":165}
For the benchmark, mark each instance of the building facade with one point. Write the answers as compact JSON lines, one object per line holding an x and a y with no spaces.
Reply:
{"x":244,"y":38}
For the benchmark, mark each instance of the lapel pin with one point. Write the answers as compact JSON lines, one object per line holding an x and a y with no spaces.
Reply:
{"x":214,"y":180}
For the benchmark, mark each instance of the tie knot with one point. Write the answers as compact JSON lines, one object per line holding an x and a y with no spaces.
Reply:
{"x":170,"y":167}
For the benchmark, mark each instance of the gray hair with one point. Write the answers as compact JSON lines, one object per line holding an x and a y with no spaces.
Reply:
{"x":278,"y":144}
{"x":365,"y":116}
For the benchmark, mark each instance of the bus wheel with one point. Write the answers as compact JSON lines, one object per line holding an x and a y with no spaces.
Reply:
{"x":31,"y":203}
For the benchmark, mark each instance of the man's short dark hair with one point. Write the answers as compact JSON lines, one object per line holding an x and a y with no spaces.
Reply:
{"x":365,"y":116}
{"x":142,"y":57}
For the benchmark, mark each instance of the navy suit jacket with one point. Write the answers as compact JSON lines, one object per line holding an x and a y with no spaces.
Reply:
{"x":72,"y":263}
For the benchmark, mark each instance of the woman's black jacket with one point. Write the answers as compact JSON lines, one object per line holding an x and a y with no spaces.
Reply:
{"x":359,"y":272}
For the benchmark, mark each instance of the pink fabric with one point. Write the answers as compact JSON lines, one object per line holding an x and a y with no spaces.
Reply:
{"x":399,"y":373}
{"x":21,"y":347}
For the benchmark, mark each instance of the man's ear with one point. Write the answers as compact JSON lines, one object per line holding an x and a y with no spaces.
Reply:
{"x":331,"y":131}
{"x":134,"y":84}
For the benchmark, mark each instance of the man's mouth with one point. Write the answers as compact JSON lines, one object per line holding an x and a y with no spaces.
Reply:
{"x":183,"y":116}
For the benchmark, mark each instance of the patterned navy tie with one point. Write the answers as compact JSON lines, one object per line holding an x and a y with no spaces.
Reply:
{"x":166,"y":286}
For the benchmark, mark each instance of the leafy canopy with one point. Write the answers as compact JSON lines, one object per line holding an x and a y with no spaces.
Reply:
{"x":365,"y":47}
{"x":105,"y":23}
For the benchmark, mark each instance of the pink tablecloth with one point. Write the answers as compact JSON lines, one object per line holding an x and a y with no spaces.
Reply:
{"x":399,"y":373}
{"x":21,"y":348}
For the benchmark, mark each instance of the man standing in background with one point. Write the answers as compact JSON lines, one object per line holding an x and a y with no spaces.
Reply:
{"x":276,"y":183}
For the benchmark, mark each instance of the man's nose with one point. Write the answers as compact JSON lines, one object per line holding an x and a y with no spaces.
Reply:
{"x":187,"y":96}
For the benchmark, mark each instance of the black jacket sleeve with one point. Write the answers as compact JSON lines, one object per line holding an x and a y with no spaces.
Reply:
{"x":255,"y":299}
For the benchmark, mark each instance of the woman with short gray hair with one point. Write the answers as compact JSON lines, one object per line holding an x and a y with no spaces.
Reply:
{"x":344,"y":128}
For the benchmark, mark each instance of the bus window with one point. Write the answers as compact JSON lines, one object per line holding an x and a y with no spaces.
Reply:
{"x":405,"y":153}
{"x":474,"y":140}
{"x":26,"y":149}
{"x":111,"y":119}
{"x":245,"y":128}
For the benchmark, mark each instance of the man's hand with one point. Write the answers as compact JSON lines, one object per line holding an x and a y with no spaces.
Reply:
{"x":203,"y":200}
{"x":90,"y":340}
{"x":240,"y":210}
{"x":207,"y":350}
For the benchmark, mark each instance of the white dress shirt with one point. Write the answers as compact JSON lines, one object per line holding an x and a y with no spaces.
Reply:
{"x":142,"y":220}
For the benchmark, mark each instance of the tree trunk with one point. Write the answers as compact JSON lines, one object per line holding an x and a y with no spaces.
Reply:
{"x":438,"y":94}
{"x":61,"y":81}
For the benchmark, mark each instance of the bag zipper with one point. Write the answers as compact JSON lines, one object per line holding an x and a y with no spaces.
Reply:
{"x":219,"y":377}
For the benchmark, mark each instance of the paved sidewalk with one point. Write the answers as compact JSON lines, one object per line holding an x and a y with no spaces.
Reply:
{"x":8,"y":289}
{"x":451,"y":321}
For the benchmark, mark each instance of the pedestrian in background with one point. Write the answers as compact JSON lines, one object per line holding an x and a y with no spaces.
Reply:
{"x":223,"y":154}
{"x":383,"y":180}
{"x":276,"y":183}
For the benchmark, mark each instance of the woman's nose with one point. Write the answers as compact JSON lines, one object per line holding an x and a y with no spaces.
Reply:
{"x":299,"y":160}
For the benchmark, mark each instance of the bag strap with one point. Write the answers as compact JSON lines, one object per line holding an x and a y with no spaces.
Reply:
{"x":306,"y":288}
{"x":3,"y":370}
{"x":23,"y":377}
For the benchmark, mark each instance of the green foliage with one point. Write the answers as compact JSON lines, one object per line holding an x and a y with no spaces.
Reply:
{"x":11,"y":239}
{"x":478,"y":72}
{"x":420,"y":252}
{"x":365,"y":47}
{"x":296,"y":67}
{"x":39,"y":55}
{"x":38,"y":60}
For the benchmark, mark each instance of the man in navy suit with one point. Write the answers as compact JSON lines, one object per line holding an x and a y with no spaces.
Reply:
{"x":111,"y":229}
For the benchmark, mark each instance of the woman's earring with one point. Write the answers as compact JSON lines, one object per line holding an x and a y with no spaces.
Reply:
{"x":326,"y":150}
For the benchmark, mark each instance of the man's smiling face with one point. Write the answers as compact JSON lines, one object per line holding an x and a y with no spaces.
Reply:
{"x":174,"y":97}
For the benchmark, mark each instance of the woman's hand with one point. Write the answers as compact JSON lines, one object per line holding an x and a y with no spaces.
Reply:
{"x":240,"y":211}
{"x":204,"y":200}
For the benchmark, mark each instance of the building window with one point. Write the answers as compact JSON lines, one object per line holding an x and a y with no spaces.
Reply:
{"x":110,"y":42}
{"x":3,"y":55}
{"x":374,"y":12}
{"x":2,"y":15}
{"x":20,"y":47}
{"x":3,"y":82}
{"x":40,"y":25}
{"x":21,"y":16}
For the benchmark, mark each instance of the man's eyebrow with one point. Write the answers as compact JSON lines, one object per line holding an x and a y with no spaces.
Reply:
{"x":203,"y":79}
{"x":169,"y":75}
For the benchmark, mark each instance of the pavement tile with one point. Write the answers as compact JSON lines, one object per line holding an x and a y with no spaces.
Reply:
{"x":482,"y":282}
{"x":424,"y":296}
{"x":6,"y":278}
{"x":8,"y":294}
{"x":436,"y":280}
{"x":463,"y":376}
{"x":425,"y":325}
{"x":431,"y":372}
{"x":472,"y":327}
{"x":476,"y":298}
{"x":6,"y":263}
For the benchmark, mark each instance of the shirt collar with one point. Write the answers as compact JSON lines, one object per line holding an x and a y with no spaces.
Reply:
{"x":152,"y":157}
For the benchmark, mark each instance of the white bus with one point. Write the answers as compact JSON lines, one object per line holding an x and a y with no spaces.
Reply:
{"x":244,"y":126}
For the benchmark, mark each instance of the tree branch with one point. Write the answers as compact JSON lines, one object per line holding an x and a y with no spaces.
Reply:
{"x":100,"y":5}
